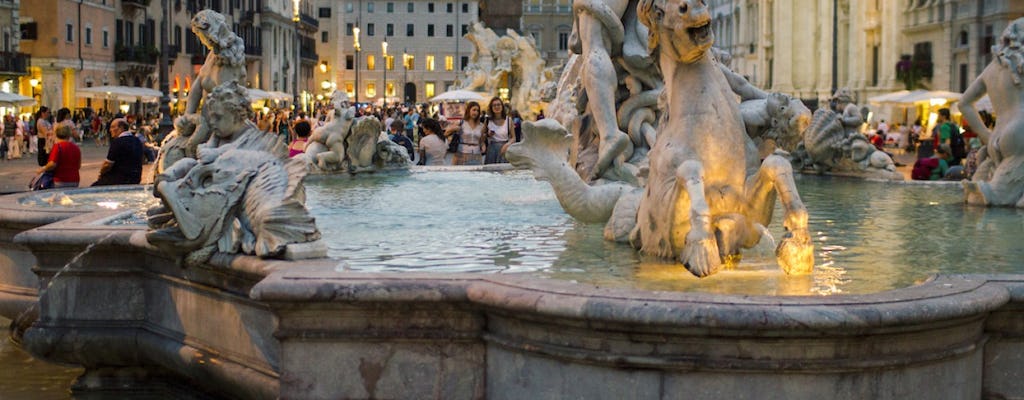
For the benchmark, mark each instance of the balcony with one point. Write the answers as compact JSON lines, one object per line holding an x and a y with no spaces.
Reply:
{"x":309,"y":22}
{"x":13,"y":64}
{"x":253,"y":50}
{"x":308,"y":55}
{"x":135,"y":3}
{"x":136,"y":54}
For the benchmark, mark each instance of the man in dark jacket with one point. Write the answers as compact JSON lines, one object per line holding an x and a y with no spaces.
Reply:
{"x":397,"y":137}
{"x":123,"y":165}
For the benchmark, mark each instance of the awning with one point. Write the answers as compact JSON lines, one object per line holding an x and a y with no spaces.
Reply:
{"x":904,"y":97}
{"x":125,"y":93}
{"x":459,"y":95}
{"x":15,"y":100}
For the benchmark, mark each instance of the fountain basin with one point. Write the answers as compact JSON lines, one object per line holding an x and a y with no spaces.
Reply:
{"x":25,"y":211}
{"x":527,"y":321}
{"x":245,"y":327}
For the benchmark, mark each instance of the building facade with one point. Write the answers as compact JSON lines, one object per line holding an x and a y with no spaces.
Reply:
{"x":549,"y":22}
{"x":881,"y":46}
{"x":13,"y":62}
{"x":424,"y":54}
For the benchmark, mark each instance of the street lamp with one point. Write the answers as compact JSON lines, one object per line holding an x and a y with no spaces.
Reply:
{"x":355,"y":47}
{"x":405,"y":78}
{"x":384,"y":48}
{"x":295,"y":83}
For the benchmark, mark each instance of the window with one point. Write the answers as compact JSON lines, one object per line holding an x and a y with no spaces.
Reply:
{"x":449,"y":63}
{"x":323,"y":37}
{"x":350,"y":89}
{"x":389,"y":62}
{"x":106,"y":39}
{"x":428,"y":88}
{"x":371,"y":89}
{"x":465,"y":7}
{"x":349,"y":8}
{"x":449,"y":30}
{"x":536,"y":39}
{"x":369,"y":7}
{"x":69,"y":32}
{"x":410,"y":61}
{"x":325,"y":12}
{"x":370,"y":29}
{"x":88,"y":36}
{"x":348,"y":29}
{"x":410,"y":30}
{"x":430,"y":7}
{"x":390,"y":7}
{"x":465,"y":29}
{"x":371,"y":62}
{"x":462,"y":62}
{"x":349,"y":62}
{"x":389,"y":30}
{"x":410,"y":7}
{"x":449,"y":8}
{"x":389,"y":90}
{"x":563,"y":41}
{"x":430,"y":62}
{"x":177,"y":37}
{"x":430,"y":30}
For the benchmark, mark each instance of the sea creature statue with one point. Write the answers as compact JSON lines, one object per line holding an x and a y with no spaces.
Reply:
{"x":480,"y":71}
{"x":776,"y":122}
{"x":241,"y":193}
{"x":833,"y":143}
{"x":176,"y":144}
{"x":700,"y":205}
{"x":999,"y":179}
{"x":350,"y":144}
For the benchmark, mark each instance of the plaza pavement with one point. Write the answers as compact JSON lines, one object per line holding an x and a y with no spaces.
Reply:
{"x":16,"y":174}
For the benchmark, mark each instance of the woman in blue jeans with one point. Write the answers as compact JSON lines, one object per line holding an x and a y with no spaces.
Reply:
{"x":499,"y":131}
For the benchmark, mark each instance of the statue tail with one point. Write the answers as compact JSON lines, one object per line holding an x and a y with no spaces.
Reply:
{"x":545,"y":151}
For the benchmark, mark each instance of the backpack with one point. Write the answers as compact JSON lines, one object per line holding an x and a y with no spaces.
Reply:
{"x":455,"y":141}
{"x":923,"y":168}
{"x":957,"y":145}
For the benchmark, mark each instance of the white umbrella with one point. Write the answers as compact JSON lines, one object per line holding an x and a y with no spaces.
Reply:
{"x":934,"y":96}
{"x":257,"y":94}
{"x":15,"y":100}
{"x":125,"y":93}
{"x":458,"y":95}
{"x":888,"y":97}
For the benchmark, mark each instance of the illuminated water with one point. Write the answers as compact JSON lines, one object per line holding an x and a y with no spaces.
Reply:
{"x":869,"y":236}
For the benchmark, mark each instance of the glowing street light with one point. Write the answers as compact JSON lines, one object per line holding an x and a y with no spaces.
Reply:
{"x":355,"y":46}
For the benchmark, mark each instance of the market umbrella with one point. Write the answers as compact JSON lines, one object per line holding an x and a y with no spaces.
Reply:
{"x":458,"y":95}
{"x":15,"y":100}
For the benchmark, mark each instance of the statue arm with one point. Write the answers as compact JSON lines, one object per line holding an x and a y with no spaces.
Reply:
{"x":741,"y":86}
{"x":974,"y":93}
{"x":194,"y":97}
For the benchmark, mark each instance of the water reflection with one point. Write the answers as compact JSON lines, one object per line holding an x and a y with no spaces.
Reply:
{"x":25,"y":378}
{"x":869,"y":236}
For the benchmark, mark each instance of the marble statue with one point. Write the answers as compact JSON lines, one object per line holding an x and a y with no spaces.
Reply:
{"x":241,"y":193}
{"x":999,"y":179}
{"x":706,"y":195}
{"x":608,"y":92}
{"x":775,"y":122}
{"x":833,"y":143}
{"x":224,"y":63}
{"x":176,"y":144}
{"x":509,"y":59}
{"x":350,"y":144}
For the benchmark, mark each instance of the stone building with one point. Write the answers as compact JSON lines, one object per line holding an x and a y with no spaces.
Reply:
{"x":13,"y":62}
{"x":72,"y":45}
{"x":882,"y":46}
{"x":425,"y":47}
{"x":549,"y":22}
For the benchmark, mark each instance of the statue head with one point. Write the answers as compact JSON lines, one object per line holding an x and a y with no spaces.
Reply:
{"x":1010,"y":49}
{"x":682,"y":28}
{"x":215,"y":33}
{"x":227,"y":110}
{"x":842,"y":97}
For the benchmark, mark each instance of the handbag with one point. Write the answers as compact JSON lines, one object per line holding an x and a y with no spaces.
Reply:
{"x":42,"y":182}
{"x":456,"y":140}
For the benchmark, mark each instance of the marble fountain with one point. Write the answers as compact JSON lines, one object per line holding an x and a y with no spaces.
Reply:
{"x":231,"y":289}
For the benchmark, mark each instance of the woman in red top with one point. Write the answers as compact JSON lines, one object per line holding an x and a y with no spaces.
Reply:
{"x":65,"y":159}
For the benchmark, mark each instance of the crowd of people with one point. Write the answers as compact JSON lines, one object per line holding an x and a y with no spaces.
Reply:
{"x":948,"y":152}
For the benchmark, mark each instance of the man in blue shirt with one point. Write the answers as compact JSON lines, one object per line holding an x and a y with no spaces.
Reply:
{"x":123,"y":165}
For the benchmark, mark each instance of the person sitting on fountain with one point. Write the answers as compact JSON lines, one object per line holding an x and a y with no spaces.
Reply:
{"x":298,"y":146}
{"x":123,"y":165}
{"x":398,"y":136}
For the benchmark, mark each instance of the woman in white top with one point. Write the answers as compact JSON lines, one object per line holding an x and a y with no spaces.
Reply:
{"x":432,"y":146}
{"x":469,"y":133}
{"x":497,"y":131}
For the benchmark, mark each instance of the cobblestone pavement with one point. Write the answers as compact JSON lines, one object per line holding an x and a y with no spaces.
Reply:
{"x":16,"y":174}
